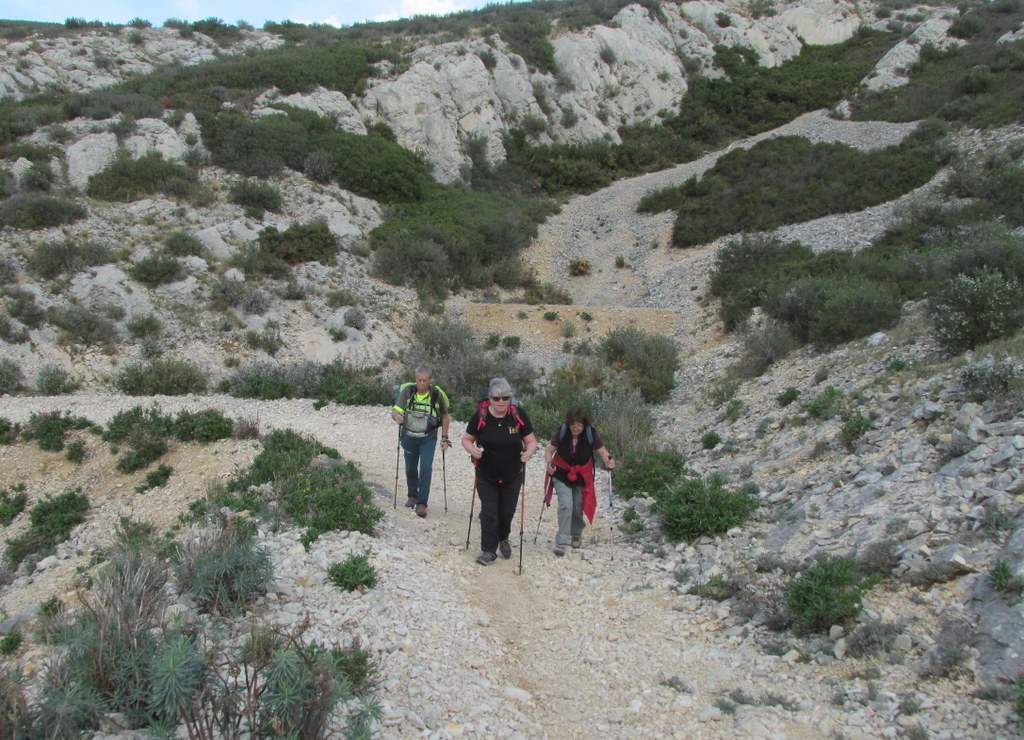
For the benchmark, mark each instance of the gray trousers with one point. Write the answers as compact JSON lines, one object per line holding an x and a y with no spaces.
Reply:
{"x":570,"y":512}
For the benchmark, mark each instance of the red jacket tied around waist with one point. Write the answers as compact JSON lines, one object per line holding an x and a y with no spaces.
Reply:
{"x":575,"y":473}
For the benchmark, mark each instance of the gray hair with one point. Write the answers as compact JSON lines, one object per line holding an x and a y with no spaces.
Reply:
{"x":424,"y":369}
{"x":499,"y":387}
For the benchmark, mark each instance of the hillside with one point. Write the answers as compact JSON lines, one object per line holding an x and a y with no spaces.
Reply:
{"x":635,"y":634}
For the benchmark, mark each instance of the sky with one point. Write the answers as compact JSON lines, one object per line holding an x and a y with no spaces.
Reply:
{"x":256,"y":12}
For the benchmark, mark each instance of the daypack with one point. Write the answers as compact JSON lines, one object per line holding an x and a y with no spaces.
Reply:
{"x":564,"y":429}
{"x":419,"y":421}
{"x":485,"y":403}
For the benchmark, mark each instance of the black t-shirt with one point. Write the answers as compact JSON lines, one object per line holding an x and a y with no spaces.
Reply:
{"x":502,"y":443}
{"x":583,"y":453}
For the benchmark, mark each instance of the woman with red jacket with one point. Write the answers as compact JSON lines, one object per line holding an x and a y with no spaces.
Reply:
{"x":570,"y":472}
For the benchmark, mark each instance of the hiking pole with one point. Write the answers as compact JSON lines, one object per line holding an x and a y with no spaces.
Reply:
{"x":398,"y":454}
{"x":444,"y":477}
{"x":522,"y":516}
{"x":472,"y":501}
{"x":537,"y":533}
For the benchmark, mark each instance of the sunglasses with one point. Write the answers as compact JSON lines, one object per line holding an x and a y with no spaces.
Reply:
{"x":501,"y":398}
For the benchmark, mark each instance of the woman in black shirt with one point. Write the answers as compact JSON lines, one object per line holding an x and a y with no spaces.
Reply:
{"x":500,"y":439}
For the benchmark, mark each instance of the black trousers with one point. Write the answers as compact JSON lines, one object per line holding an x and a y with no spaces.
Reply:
{"x":498,"y":501}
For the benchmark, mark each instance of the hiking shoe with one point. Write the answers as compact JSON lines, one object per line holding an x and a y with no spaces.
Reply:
{"x":486,"y":558}
{"x":421,"y":510}
{"x":410,"y":502}
{"x":576,"y":542}
{"x":559,"y":550}
{"x":505,"y":549}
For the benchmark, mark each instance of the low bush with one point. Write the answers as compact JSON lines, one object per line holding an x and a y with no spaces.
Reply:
{"x":827,"y":593}
{"x":310,"y":242}
{"x":223,"y":568}
{"x":325,"y":498}
{"x":127,"y":180}
{"x":160,"y":377}
{"x":157,"y":269}
{"x":75,"y":451}
{"x":21,"y":305}
{"x":83,"y":325}
{"x":12,"y":503}
{"x":826,"y":404}
{"x":182,"y":244}
{"x":53,"y":380}
{"x":354,"y":573}
{"x":143,"y":326}
{"x":855,"y":426}
{"x":39,"y":212}
{"x":49,"y":429}
{"x":11,"y":379}
{"x":992,"y":379}
{"x":969,"y":310}
{"x":204,"y":426}
{"x":51,"y":521}
{"x":648,"y":361}
{"x":710,"y":440}
{"x":155,"y":478}
{"x":53,"y":259}
{"x":648,"y":472}
{"x":695,"y":507}
{"x":256,"y":195}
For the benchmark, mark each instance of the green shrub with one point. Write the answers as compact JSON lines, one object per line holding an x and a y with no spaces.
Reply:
{"x":143,"y":326}
{"x":137,"y":420}
{"x":648,"y":471}
{"x":969,"y":310}
{"x":855,"y":425}
{"x":10,"y":333}
{"x":1002,"y":579}
{"x":144,"y":448}
{"x":312,"y":242}
{"x":160,"y":377}
{"x":10,"y":642}
{"x":259,"y":196}
{"x":205,"y":426}
{"x":49,"y":429}
{"x":826,"y":404}
{"x":75,"y":451}
{"x":648,"y":361}
{"x":128,"y":180}
{"x":267,"y":339}
{"x":710,"y":440}
{"x":12,"y":505}
{"x":51,"y":522}
{"x":694,"y":507}
{"x":787,"y":396}
{"x":224,"y":570}
{"x":182,"y":244}
{"x":827,"y":311}
{"x":157,"y":269}
{"x":83,"y":325}
{"x":155,"y":478}
{"x":9,"y":432}
{"x":324,"y":499}
{"x":52,"y":259}
{"x":53,"y":380}
{"x":39,"y":212}
{"x":11,"y":379}
{"x":992,"y":380}
{"x":826,"y":594}
{"x":21,"y":305}
{"x":354,"y":573}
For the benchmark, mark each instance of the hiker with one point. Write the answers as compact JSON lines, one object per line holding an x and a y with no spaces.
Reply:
{"x":570,"y":473}
{"x":500,"y":439}
{"x":420,"y":408}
